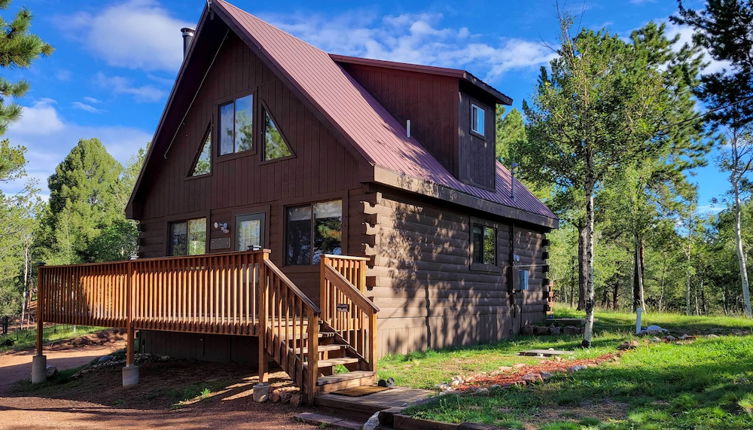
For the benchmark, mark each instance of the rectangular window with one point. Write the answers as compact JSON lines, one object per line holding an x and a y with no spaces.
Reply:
{"x":188,"y":237}
{"x":312,"y":231}
{"x":236,"y":125}
{"x":484,"y":244}
{"x":477,"y":119}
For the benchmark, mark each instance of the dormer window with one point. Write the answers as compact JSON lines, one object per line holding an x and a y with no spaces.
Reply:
{"x":477,"y":119}
{"x":236,"y":125}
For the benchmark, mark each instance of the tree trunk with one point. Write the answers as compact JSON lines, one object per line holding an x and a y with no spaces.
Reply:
{"x":688,"y":308}
{"x":589,"y":256}
{"x":582,"y":267}
{"x":741,"y":258}
{"x":615,"y":293}
{"x":573,"y":281}
{"x":638,"y":274}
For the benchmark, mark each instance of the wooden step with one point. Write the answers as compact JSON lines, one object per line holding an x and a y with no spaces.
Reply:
{"x":322,"y":334}
{"x":322,"y":348}
{"x":328,"y":384}
{"x":335,"y":361}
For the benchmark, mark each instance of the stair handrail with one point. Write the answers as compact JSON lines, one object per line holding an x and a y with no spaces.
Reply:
{"x":346,"y":310}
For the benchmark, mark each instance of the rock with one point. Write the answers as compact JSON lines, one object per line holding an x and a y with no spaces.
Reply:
{"x":628,"y":345}
{"x":275,"y":396}
{"x":570,"y":330}
{"x":555,"y":330}
{"x":539,"y":330}
{"x":686,"y":337}
{"x":444,"y":387}
{"x":285,"y":396}
{"x":670,"y":338}
{"x":519,"y":365}
{"x":495,"y":387}
{"x":296,"y":399}
{"x":51,"y":371}
{"x":104,"y":359}
{"x":526,"y":330}
{"x":482,"y":391}
{"x":712,"y":336}
{"x":532,"y":378}
{"x":455,"y":383}
{"x":372,"y":423}
{"x":546,"y":375}
{"x":654,"y":330}
{"x":655,"y":339}
{"x":576,"y":368}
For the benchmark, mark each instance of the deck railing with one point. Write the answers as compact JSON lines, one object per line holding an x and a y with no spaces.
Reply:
{"x":345,"y":308}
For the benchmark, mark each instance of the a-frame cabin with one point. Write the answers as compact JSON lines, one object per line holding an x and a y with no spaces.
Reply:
{"x":315,"y":210}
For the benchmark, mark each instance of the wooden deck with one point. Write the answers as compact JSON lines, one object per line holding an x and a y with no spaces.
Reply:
{"x":241,"y":293}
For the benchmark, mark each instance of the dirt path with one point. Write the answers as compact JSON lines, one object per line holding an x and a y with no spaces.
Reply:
{"x":97,"y":401}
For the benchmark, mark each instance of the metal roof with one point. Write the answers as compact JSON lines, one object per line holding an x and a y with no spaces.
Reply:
{"x":376,"y":134}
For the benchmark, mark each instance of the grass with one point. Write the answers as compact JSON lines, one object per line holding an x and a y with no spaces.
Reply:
{"x":704,"y":384}
{"x":25,"y":339}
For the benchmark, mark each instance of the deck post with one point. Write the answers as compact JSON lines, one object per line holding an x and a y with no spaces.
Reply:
{"x":39,"y":361}
{"x":262,"y":331}
{"x":130,"y":371}
{"x":313,"y":356}
{"x":323,"y":300}
{"x":362,"y":276}
{"x":372,"y":341}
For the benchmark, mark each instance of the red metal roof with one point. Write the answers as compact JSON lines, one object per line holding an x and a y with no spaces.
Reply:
{"x":377,"y":135}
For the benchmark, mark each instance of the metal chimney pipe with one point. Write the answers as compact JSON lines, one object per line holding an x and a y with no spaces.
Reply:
{"x":188,"y":34}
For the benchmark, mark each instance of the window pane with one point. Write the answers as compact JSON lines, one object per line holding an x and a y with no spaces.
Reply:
{"x":226,"y":129}
{"x":250,"y":231}
{"x":490,"y":246}
{"x":197,"y":236}
{"x":298,"y":237}
{"x":477,"y":119}
{"x":477,"y":243}
{"x":244,"y":123}
{"x":203,"y":164}
{"x":274,"y":144}
{"x":178,"y":238}
{"x":327,"y":228}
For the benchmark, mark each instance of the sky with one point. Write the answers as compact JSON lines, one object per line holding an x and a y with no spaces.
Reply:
{"x":115,"y":61}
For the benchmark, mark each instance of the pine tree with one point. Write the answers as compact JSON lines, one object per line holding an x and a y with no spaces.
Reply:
{"x":86,"y":196}
{"x":725,"y":29}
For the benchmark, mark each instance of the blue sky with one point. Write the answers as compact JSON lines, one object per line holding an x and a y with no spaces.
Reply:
{"x":115,"y":61}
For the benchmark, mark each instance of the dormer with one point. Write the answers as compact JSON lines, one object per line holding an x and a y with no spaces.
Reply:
{"x":451,"y":112}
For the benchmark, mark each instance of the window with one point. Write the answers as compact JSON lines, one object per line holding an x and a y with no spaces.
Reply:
{"x":249,"y":232}
{"x":484,"y":244}
{"x":313,"y":230}
{"x":203,"y":164}
{"x":274,"y":143}
{"x":188,"y":237}
{"x":477,"y":119}
{"x":236,"y":125}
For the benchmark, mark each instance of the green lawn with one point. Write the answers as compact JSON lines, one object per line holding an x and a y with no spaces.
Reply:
{"x":704,"y":384}
{"x":25,"y":339}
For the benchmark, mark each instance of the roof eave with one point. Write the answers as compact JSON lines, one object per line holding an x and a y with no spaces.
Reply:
{"x":430,"y":189}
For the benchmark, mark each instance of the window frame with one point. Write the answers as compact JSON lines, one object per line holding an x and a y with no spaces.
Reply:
{"x":209,"y":132}
{"x":185,"y":221}
{"x":263,"y":138}
{"x":259,"y":215}
{"x":312,"y":234}
{"x":483,"y":266}
{"x":478,"y":107}
{"x":219,"y":103}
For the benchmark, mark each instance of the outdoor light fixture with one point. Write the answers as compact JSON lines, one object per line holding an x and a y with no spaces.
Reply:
{"x":222,"y":226}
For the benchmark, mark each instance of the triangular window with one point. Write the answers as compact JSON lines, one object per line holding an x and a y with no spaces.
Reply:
{"x":203,"y":164}
{"x":274,"y":143}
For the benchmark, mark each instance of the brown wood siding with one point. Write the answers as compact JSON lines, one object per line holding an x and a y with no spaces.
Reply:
{"x":428,"y":101}
{"x":476,"y":155}
{"x":322,"y":168}
{"x":421,"y":276}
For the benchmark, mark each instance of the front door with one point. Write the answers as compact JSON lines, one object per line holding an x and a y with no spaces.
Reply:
{"x":249,"y":232}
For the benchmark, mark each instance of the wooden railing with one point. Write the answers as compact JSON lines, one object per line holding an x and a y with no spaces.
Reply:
{"x":290,"y":329}
{"x":203,"y":294}
{"x":345,"y":309}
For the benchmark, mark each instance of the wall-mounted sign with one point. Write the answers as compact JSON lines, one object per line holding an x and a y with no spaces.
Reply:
{"x":220,"y":243}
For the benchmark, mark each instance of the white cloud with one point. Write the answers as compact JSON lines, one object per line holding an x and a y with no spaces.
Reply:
{"x":413,"y":38}
{"x":121,"y":85}
{"x":86,"y":107}
{"x":137,"y":34}
{"x":48,"y":138}
{"x":639,"y":2}
{"x":63,"y":75}
{"x":686,"y":36}
{"x":92,"y":100}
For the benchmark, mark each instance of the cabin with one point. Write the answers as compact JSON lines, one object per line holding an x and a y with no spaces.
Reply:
{"x":304,"y":209}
